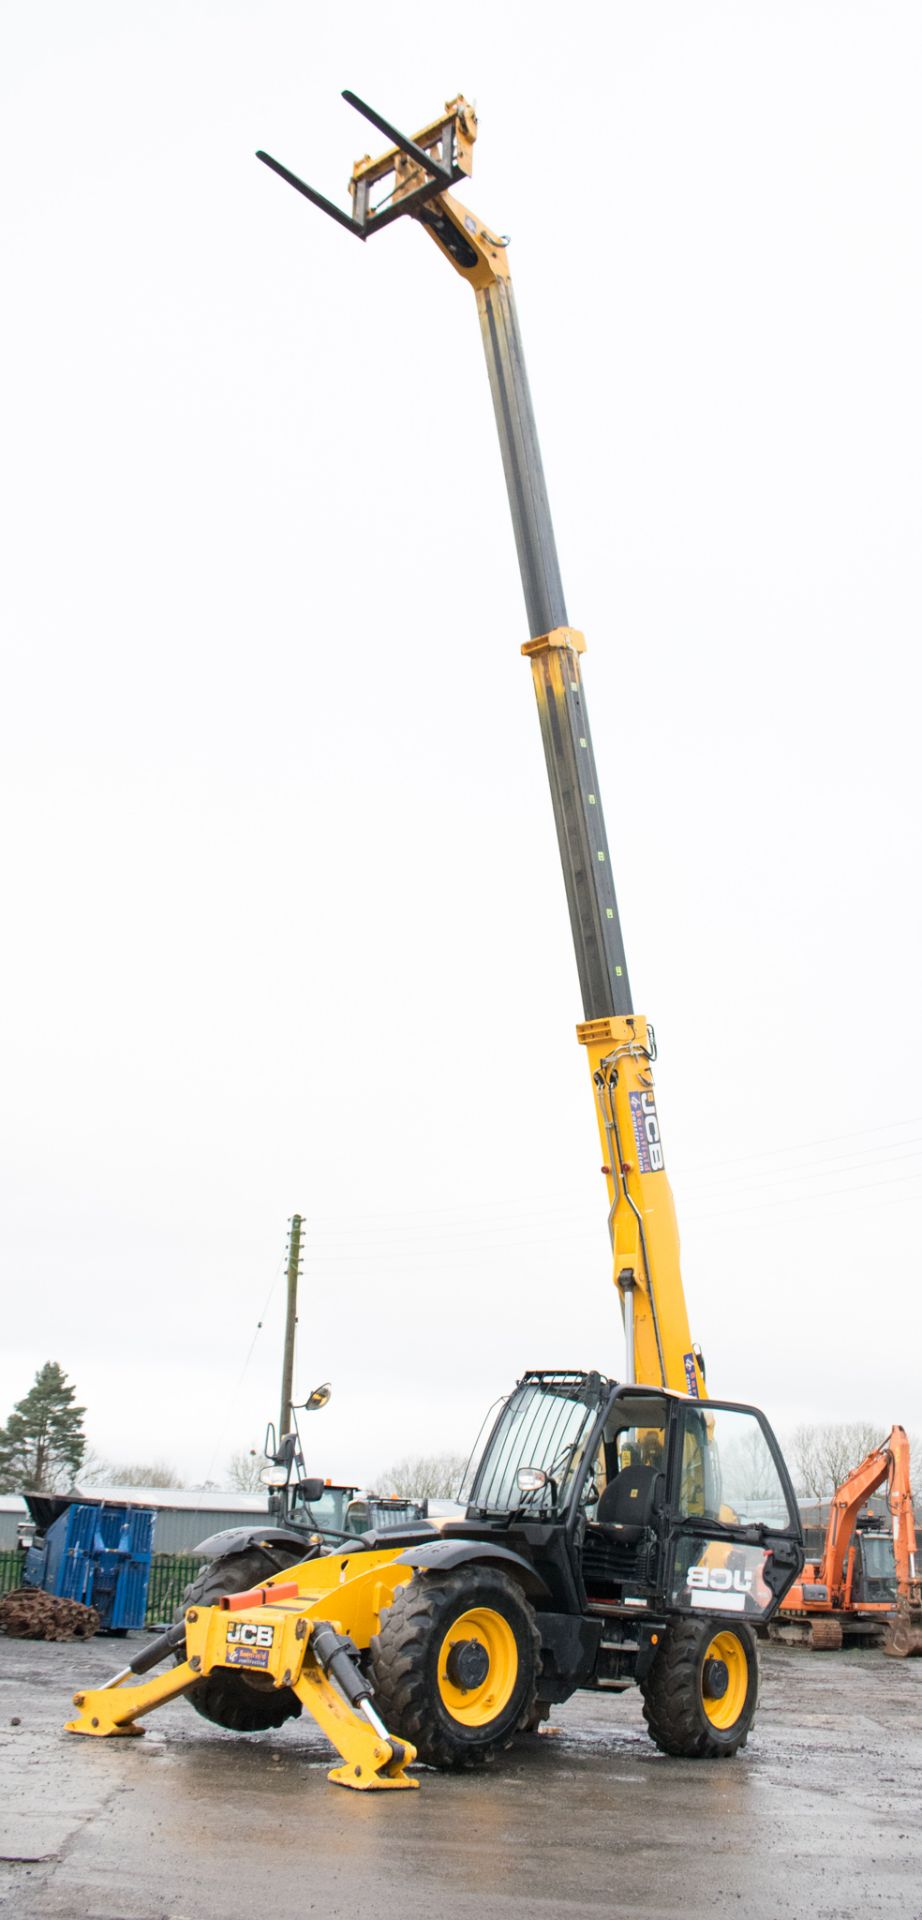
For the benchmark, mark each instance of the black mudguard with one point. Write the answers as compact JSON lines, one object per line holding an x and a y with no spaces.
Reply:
{"x":443,"y":1555}
{"x":239,"y":1539}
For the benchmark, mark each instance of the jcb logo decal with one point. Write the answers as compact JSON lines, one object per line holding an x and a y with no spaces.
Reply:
{"x":650,"y":1157}
{"x":242,"y":1633}
{"x":720,"y":1579}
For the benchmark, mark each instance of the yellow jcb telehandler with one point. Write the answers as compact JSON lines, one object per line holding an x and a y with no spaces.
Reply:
{"x":615,"y":1532}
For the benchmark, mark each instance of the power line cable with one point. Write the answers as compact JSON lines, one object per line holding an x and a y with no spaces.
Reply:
{"x":450,"y":1252}
{"x":422,"y":1220}
{"x":231,"y":1403}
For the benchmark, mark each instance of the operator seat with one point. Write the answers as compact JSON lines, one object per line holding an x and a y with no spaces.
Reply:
{"x":628,"y":1504}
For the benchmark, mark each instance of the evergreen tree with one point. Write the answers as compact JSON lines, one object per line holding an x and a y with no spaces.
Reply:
{"x":43,"y":1444}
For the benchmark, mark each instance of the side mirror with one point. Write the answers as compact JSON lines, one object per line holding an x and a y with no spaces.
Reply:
{"x":274,"y":1476}
{"x":530,"y":1479}
{"x":311,"y":1490}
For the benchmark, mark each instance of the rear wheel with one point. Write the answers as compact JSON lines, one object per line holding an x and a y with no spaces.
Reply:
{"x":455,"y":1665}
{"x":232,"y":1699}
{"x":699,"y":1698}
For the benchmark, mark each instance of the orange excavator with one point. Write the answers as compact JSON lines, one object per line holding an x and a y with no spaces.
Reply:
{"x":866,"y":1583}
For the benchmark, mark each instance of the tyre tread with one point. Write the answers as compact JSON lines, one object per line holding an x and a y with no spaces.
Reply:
{"x":225,"y":1698}
{"x":401,"y":1656}
{"x":671,"y":1706}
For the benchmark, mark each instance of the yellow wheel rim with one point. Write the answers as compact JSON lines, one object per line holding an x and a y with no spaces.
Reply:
{"x":725,"y":1710}
{"x":476,"y":1705}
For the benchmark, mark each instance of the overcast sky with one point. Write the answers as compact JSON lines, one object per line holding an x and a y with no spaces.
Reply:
{"x":284,"y":922}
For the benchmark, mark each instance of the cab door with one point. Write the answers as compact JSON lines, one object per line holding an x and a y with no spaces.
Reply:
{"x":736,"y":1544}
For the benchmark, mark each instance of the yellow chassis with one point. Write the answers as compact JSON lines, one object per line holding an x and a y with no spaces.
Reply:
{"x":273,"y":1641}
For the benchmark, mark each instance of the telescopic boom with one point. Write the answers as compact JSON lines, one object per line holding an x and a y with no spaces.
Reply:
{"x":413,"y":177}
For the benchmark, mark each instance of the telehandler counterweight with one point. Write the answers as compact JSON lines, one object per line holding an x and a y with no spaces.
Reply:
{"x":611,"y":1536}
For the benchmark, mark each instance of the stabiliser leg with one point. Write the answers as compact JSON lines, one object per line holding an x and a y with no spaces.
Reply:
{"x":372,"y":1756}
{"x":116,"y":1707}
{"x":282,"y":1641}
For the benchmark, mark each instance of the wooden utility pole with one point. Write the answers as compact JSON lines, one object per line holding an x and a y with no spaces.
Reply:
{"x":291,"y":1321}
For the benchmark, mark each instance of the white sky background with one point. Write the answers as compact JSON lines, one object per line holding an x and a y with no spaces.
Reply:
{"x":284,"y":920}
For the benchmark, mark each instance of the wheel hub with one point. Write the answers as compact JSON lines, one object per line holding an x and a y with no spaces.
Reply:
{"x":468,"y":1664}
{"x":715,"y":1680}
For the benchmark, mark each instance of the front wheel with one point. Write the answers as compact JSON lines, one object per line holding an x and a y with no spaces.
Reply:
{"x":699,"y":1698}
{"x":455,"y":1665}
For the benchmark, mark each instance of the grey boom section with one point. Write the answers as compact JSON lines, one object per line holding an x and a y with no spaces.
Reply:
{"x":581,"y":836}
{"x":518,"y":439}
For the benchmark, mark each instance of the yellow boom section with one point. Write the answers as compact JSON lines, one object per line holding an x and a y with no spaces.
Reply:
{"x":642,"y":1218}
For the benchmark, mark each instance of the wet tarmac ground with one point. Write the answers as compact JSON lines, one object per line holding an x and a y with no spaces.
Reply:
{"x":820,"y":1816}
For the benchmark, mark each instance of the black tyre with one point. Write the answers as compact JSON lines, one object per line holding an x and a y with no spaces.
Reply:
{"x":699,"y":1698}
{"x":455,"y":1665}
{"x":234,"y":1700}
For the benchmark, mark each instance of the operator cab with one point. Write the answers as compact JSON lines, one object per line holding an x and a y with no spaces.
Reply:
{"x":662,"y":1501}
{"x":688,"y":1500}
{"x":874,"y":1575}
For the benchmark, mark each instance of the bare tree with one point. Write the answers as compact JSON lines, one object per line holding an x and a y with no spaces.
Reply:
{"x":93,"y":1469}
{"x":802,"y":1450}
{"x":822,"y":1456}
{"x":747,"y":1468}
{"x":424,"y":1476}
{"x":145,"y":1473}
{"x":244,"y":1469}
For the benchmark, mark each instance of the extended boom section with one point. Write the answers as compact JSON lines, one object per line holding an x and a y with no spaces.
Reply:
{"x":642,"y":1221}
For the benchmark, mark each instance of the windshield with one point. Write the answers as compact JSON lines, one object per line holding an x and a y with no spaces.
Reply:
{"x":728,"y":1472}
{"x":877,"y":1556}
{"x":546,"y":1423}
{"x":328,"y":1511}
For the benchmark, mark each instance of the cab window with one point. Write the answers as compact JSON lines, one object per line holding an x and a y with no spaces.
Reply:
{"x":727,"y":1470}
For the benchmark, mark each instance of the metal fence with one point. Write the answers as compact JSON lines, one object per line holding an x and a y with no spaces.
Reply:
{"x":170,"y":1574}
{"x":11,"y":1570}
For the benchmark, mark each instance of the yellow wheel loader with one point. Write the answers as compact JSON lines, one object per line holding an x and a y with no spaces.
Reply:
{"x":615,"y":1533}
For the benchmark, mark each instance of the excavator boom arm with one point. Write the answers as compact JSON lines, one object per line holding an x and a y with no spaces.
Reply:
{"x":888,"y":1462}
{"x":900,"y":1502}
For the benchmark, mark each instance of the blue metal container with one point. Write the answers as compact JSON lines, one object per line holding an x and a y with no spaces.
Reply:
{"x":96,"y":1553}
